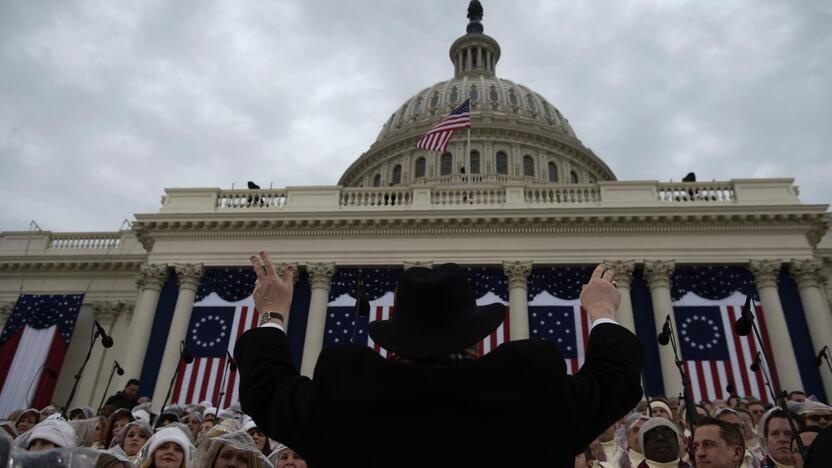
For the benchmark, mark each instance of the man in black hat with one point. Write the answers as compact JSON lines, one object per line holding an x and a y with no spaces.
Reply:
{"x":515,"y":406}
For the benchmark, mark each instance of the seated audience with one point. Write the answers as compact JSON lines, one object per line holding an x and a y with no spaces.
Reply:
{"x":169,"y":447}
{"x":131,"y":438}
{"x":49,"y":434}
{"x":775,"y":431}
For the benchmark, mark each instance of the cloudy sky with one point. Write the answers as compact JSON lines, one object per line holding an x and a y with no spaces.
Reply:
{"x":104,"y":104}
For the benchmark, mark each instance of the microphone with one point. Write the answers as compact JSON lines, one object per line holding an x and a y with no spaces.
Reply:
{"x":819,"y":357}
{"x":743,"y":325}
{"x":232,"y":364}
{"x":184,"y":353}
{"x":755,"y":366}
{"x":664,"y":336}
{"x":119,"y":369}
{"x":106,"y":340}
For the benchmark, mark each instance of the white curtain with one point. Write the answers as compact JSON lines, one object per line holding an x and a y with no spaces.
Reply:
{"x":21,"y":382}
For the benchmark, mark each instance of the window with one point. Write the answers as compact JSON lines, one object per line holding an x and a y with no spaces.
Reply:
{"x":446,"y":164}
{"x":531,"y":104}
{"x":475,"y":162}
{"x":420,"y":167}
{"x":502,"y":163}
{"x":573,"y":176}
{"x":547,"y":111}
{"x":417,"y":106}
{"x":454,"y":96}
{"x":528,"y":166}
{"x":553,"y":172}
{"x":377,"y":180}
{"x":434,"y":101}
{"x":397,"y":174}
{"x":473,"y":94}
{"x":512,"y":97}
{"x":493,"y":95}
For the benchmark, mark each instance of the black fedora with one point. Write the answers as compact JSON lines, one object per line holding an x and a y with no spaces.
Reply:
{"x":436,"y":314}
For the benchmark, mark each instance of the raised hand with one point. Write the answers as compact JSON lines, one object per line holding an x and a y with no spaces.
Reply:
{"x":599,"y":297}
{"x":272,"y":291}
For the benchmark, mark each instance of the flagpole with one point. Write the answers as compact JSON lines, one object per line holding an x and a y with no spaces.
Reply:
{"x":469,"y":172}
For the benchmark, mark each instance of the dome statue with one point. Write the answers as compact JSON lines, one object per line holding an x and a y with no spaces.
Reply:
{"x":517,"y":136}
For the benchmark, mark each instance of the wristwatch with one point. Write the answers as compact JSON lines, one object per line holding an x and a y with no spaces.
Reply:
{"x":271,"y":316}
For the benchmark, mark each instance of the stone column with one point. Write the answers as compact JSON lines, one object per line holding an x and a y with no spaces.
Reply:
{"x":188,"y":276}
{"x":150,"y":282}
{"x":5,"y":312}
{"x":623,"y":277}
{"x":766,"y":274}
{"x":320,"y":277}
{"x":518,"y":300}
{"x":105,"y":312}
{"x":806,"y":274}
{"x":658,"y":275}
{"x":827,"y":280}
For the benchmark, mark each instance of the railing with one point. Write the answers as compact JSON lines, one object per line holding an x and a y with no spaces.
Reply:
{"x":360,"y":197}
{"x":696,"y":192}
{"x":267,"y":198}
{"x":84,"y":241}
{"x":461,"y":179}
{"x":468,"y":196}
{"x":564,"y":194}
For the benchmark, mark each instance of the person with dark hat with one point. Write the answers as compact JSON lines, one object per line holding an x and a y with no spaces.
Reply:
{"x":518,"y":397}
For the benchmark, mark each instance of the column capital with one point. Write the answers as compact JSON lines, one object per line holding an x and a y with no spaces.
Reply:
{"x":152,"y":275}
{"x":189,"y":274}
{"x":517,"y":273}
{"x":807,"y":273}
{"x":5,"y":312}
{"x":320,"y":274}
{"x":417,"y":263}
{"x":622,"y":272}
{"x":766,"y":272}
{"x":658,"y":273}
{"x":107,"y":312}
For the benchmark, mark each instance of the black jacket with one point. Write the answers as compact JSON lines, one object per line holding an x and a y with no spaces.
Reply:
{"x":514,"y":407}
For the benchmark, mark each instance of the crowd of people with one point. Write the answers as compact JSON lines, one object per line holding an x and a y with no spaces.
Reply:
{"x":126,"y":433}
{"x":734,"y":433}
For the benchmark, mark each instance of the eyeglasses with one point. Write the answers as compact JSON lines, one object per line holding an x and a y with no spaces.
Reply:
{"x":819,"y":417}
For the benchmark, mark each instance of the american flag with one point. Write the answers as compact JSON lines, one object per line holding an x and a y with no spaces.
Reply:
{"x":437,"y":138}
{"x":214,"y":328}
{"x":562,"y":322}
{"x":714,"y":355}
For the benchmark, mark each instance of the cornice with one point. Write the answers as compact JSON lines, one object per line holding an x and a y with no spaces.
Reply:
{"x":36,"y":265}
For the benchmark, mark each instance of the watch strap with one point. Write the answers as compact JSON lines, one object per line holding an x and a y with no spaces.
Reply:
{"x":271,"y":316}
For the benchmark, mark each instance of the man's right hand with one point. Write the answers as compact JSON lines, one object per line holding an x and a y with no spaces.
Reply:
{"x":599,"y":297}
{"x":272,"y":292}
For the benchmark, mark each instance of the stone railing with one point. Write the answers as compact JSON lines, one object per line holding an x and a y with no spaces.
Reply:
{"x":264,"y":198}
{"x":685,"y":192}
{"x":476,"y":179}
{"x":741,"y":192}
{"x":85,"y":241}
{"x":565,"y":194}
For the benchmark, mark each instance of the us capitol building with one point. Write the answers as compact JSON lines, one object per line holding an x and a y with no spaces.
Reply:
{"x":533,"y":195}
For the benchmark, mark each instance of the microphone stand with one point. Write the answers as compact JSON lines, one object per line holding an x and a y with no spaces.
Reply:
{"x":222,"y":385}
{"x":690,"y":411}
{"x":777,"y":393}
{"x":107,"y":388}
{"x":173,"y":379}
{"x":824,"y":354}
{"x":64,"y":410}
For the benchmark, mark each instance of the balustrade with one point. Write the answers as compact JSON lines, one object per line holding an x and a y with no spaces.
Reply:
{"x":233,"y":199}
{"x":708,"y":192}
{"x":84,"y":241}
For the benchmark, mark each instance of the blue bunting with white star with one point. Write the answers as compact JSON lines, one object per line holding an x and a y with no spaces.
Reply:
{"x":43,"y":311}
{"x":713,"y":282}
{"x":377,"y":282}
{"x":231,"y":284}
{"x":564,"y":282}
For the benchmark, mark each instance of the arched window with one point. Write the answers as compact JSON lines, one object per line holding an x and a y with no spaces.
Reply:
{"x":454,"y":96}
{"x":473,"y":94}
{"x":420,"y":167}
{"x":434,"y":101}
{"x":475,"y":162}
{"x":493,"y":95}
{"x":512,"y":97}
{"x":528,"y":166}
{"x":531,"y":104}
{"x":377,"y":180}
{"x":446,"y":164}
{"x":553,"y":172}
{"x":417,"y":106}
{"x":502,"y":163}
{"x":573,"y":176}
{"x":397,"y":174}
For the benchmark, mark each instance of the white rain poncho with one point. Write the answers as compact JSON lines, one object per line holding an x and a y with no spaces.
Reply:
{"x":242,"y":443}
{"x":117,"y":447}
{"x":85,"y":431}
{"x":56,"y":458}
{"x":57,"y":431}
{"x":162,"y":436}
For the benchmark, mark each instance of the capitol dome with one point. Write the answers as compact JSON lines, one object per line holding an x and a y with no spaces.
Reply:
{"x":516,"y":134}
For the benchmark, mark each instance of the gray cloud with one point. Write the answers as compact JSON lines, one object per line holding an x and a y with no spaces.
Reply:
{"x":106,"y":104}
